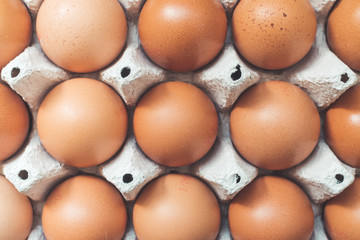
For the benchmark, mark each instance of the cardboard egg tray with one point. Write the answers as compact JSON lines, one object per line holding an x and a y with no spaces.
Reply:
{"x":320,"y":74}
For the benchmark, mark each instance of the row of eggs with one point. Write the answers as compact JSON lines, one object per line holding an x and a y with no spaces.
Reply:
{"x":180,"y":36}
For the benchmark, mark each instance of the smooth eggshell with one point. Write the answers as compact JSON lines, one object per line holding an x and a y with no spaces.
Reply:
{"x":271,"y":208}
{"x":16,"y":212}
{"x":342,"y":213}
{"x":15,"y":30}
{"x":274,"y":125}
{"x":14,"y":121}
{"x":84,"y":208}
{"x":342,"y":127}
{"x":176,"y":206}
{"x":273,"y":34}
{"x":343,"y":32}
{"x":82,"y":35}
{"x":175,"y":123}
{"x":182,"y":35}
{"x":82,"y":122}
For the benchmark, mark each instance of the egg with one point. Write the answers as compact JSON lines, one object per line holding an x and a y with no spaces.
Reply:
{"x":271,"y":207}
{"x":14,"y":121}
{"x":84,"y":207}
{"x":342,"y":127}
{"x":83,"y":35}
{"x":175,"y":124}
{"x":343,"y":32}
{"x":176,"y":206}
{"x":341,"y":213}
{"x":16,"y":212}
{"x":273,"y":34}
{"x":15,"y":30}
{"x":182,"y":35}
{"x":82,"y":122}
{"x":274,"y":125}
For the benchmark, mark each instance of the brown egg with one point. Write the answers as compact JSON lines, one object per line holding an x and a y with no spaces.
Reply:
{"x":343,"y":26}
{"x":15,"y":30}
{"x":273,"y":34}
{"x":341,"y":213}
{"x":83,"y":35}
{"x":82,"y":122}
{"x":175,"y":123}
{"x":342,"y":127}
{"x":84,"y":208}
{"x":176,"y":206}
{"x":271,"y":207}
{"x":14,"y":121}
{"x":182,"y":35}
{"x":15,"y":211}
{"x":274,"y":125}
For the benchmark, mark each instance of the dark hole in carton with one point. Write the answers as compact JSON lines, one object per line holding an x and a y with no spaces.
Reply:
{"x":238,"y":178}
{"x":237,"y":74}
{"x":339,"y":178}
{"x":23,"y":174}
{"x":127,"y":178}
{"x":15,"y":72}
{"x":344,"y":78}
{"x":125,"y":72}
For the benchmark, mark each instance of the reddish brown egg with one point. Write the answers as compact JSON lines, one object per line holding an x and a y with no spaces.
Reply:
{"x":14,"y":121}
{"x":176,"y":206}
{"x":343,"y":32}
{"x":82,"y":122}
{"x":273,"y":34}
{"x":274,"y":125}
{"x":83,"y":35}
{"x":342,"y":127}
{"x":341,"y":214}
{"x":84,"y":208}
{"x":175,"y":123}
{"x":271,"y":207}
{"x":15,"y":211}
{"x":182,"y":35}
{"x":15,"y":30}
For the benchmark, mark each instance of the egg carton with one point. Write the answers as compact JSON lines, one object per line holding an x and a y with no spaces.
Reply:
{"x":320,"y":74}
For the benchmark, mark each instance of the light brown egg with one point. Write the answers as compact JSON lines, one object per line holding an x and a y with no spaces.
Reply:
{"x":182,"y":35}
{"x":83,"y":35}
{"x":271,"y":208}
{"x":16,"y":212}
{"x":176,"y":206}
{"x":343,"y":32}
{"x":274,"y":125}
{"x":175,"y":123}
{"x":14,"y":121}
{"x":342,"y":127}
{"x":82,"y":122}
{"x":15,"y":30}
{"x":341,"y":213}
{"x":273,"y":34}
{"x":84,"y":208}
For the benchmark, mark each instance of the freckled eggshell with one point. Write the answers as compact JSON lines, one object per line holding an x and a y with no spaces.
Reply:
{"x":82,"y":122}
{"x":274,"y":125}
{"x":175,"y":123}
{"x":176,"y":206}
{"x":84,"y":208}
{"x":15,"y":30}
{"x":271,"y":207}
{"x":342,"y":213}
{"x":343,"y":32}
{"x":82,"y":35}
{"x":273,"y":34}
{"x":15,"y":211}
{"x":182,"y":35}
{"x":14,"y":121}
{"x":342,"y":127}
